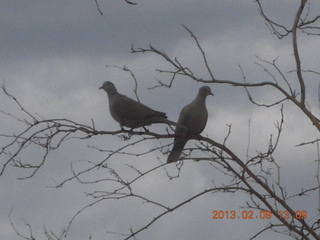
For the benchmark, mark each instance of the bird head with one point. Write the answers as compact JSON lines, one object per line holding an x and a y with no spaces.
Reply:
{"x":205,"y":91}
{"x":109,"y":87}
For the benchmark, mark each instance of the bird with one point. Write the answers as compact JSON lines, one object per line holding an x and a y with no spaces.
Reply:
{"x":130,"y":113}
{"x":194,"y":118}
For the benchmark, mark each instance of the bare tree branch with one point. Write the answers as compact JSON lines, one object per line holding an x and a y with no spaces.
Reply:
{"x":296,"y":52}
{"x":130,"y":2}
{"x":98,"y":7}
{"x":202,"y":52}
{"x":100,"y":11}
{"x":179,"y":69}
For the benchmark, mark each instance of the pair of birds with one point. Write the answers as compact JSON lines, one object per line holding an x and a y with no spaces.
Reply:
{"x":130,"y":113}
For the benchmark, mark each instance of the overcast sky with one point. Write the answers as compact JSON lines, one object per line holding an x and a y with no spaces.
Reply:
{"x":53,"y":58}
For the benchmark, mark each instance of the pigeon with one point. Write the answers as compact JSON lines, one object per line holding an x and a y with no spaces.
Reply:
{"x":194,"y":118}
{"x":130,"y":113}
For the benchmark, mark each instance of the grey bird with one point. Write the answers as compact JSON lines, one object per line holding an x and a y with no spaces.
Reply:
{"x":130,"y":113}
{"x":194,"y":118}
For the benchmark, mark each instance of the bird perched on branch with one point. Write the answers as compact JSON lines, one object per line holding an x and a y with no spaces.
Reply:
{"x":130,"y":113}
{"x":194,"y":118}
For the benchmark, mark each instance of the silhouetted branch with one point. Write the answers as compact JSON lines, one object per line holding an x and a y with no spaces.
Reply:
{"x":289,"y":94}
{"x":100,"y":11}
{"x":98,"y":7}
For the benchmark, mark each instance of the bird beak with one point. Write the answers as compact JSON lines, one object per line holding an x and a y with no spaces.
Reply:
{"x":100,"y":87}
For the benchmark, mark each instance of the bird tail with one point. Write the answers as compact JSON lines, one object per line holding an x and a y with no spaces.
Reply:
{"x":176,"y":150}
{"x":169,"y":122}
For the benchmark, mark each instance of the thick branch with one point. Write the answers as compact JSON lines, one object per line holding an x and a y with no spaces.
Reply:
{"x":296,"y":52}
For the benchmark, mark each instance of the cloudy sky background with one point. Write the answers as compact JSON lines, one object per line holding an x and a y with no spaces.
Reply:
{"x":53,"y":57}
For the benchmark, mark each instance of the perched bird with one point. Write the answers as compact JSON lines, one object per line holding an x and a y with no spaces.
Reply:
{"x":130,"y":113}
{"x":194,"y":118}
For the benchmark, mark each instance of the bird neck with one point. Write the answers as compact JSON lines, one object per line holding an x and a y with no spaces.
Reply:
{"x":113,"y":92}
{"x":200,"y":99}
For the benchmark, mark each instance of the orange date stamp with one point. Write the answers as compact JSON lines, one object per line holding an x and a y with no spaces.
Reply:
{"x":250,"y":214}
